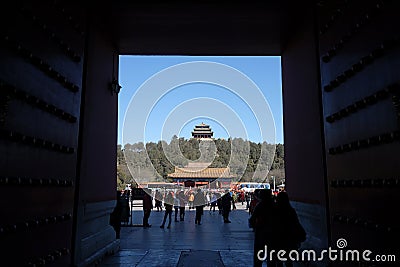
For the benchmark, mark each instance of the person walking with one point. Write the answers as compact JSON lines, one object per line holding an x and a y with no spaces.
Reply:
{"x":226,"y":203}
{"x":199,"y":201}
{"x":147,"y":207}
{"x":264,"y":225}
{"x":168,"y":202}
{"x":292,"y":233}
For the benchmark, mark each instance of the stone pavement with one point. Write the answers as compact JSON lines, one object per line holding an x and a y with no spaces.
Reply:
{"x":211,"y":244}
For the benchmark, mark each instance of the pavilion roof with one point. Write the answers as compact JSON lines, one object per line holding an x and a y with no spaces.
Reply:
{"x":202,"y":132}
{"x":189,"y":172}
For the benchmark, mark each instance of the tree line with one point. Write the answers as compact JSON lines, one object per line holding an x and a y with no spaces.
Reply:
{"x":248,"y":161}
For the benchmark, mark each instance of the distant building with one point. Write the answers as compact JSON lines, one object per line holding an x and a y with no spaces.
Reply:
{"x":198,"y":174}
{"x":202,"y":131}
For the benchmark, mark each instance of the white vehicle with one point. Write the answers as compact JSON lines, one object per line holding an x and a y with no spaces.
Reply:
{"x":251,"y":186}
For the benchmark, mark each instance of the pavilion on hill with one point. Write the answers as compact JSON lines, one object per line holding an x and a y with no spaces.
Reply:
{"x":202,"y":131}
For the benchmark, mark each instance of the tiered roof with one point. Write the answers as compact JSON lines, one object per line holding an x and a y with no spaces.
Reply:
{"x":203,"y":129}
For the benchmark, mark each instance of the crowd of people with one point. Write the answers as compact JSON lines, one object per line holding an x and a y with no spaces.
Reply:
{"x":178,"y":201}
{"x":272,"y":218}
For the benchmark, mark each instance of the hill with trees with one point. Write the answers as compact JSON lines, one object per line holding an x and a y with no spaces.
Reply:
{"x":248,"y":161}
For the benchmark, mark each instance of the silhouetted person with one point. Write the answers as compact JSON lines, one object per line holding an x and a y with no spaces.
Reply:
{"x":247,"y":198}
{"x":291,"y":231}
{"x":254,"y":201}
{"x":115,"y":216}
{"x":124,"y":202}
{"x":262,"y":220}
{"x":182,"y":204}
{"x":147,"y":207}
{"x":199,"y":201}
{"x":158,"y":200}
{"x":213,"y":202}
{"x":226,"y":204}
{"x":168,"y":202}
{"x":176,"y":207}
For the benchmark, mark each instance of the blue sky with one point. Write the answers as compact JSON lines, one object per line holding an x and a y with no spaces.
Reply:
{"x":229,"y":114}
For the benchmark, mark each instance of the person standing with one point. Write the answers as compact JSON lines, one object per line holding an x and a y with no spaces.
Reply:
{"x":213,"y":202}
{"x":182,"y":204}
{"x":254,"y":201}
{"x":158,"y":199}
{"x":226,"y":203}
{"x":208,"y":199}
{"x":234,"y":199}
{"x":199,"y":202}
{"x":147,"y":207}
{"x":115,"y":216}
{"x":176,"y":206}
{"x":292,"y":233}
{"x":125,"y":211}
{"x":241,"y":197}
{"x":191,"y":199}
{"x":247,"y":197}
{"x":264,"y":224}
{"x":168,"y":202}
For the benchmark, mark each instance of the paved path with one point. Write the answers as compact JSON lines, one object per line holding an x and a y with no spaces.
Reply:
{"x":212,"y":244}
